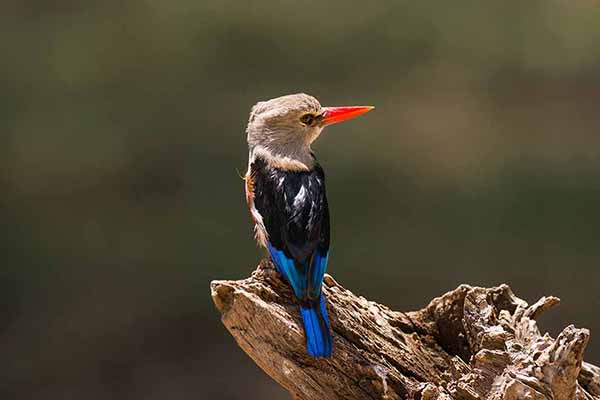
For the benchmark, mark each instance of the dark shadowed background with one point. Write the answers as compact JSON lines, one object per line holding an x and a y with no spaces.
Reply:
{"x":122,"y":141}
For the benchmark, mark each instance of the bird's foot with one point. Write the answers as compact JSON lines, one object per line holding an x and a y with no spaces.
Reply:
{"x":266,"y":265}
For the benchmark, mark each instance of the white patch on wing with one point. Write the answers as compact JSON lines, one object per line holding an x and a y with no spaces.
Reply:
{"x":300,"y":197}
{"x":311,"y":215}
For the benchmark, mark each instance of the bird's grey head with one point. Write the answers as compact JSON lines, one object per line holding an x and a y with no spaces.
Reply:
{"x":283,"y":128}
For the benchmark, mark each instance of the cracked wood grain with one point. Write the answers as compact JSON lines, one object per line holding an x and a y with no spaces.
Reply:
{"x":469,"y":344}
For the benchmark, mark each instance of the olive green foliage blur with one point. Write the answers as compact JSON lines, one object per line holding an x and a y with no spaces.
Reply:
{"x":123,"y":141}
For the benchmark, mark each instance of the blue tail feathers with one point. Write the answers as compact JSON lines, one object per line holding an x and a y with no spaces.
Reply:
{"x":306,"y":280}
{"x":317,"y":328}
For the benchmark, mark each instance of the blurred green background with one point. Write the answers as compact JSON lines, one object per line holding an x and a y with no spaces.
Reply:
{"x":123,"y":140}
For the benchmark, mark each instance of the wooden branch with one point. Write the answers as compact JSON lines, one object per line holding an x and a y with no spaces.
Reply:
{"x":470,"y":344}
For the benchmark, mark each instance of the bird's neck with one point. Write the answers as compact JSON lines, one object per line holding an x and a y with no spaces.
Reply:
{"x":285,"y":158}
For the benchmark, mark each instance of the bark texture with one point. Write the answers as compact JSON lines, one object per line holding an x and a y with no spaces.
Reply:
{"x":469,"y":344}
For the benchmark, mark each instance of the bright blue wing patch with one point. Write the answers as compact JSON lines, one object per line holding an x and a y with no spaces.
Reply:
{"x":303,"y":285}
{"x":286,"y":266}
{"x":318,"y":271}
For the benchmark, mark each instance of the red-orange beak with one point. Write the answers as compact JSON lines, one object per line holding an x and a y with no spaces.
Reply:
{"x":333,"y":115}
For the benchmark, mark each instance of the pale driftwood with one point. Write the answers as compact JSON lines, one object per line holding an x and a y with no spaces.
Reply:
{"x":469,"y":344}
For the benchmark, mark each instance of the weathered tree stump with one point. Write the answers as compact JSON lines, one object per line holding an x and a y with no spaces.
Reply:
{"x":470,"y":344}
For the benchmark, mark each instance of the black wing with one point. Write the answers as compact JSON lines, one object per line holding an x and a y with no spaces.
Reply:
{"x":294,"y":209}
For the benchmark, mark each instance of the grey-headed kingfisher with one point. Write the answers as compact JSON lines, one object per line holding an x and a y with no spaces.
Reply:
{"x":285,"y":192}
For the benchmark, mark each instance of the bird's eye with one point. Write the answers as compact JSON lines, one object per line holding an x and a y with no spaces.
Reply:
{"x":307,"y":119}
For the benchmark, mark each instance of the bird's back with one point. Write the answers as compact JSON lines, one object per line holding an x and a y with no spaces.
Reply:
{"x":291,"y":207}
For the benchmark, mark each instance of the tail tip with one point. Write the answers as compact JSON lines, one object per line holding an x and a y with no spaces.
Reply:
{"x":319,"y":342}
{"x":323,"y":352}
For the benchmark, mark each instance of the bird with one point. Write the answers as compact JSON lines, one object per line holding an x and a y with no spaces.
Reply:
{"x":286,"y":197}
